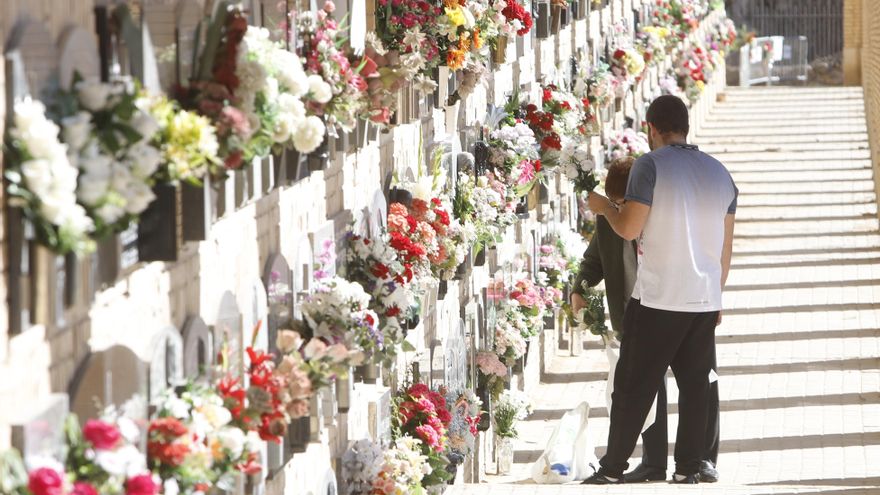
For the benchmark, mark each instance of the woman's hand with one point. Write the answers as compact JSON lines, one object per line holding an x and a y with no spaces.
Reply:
{"x":597,"y":203}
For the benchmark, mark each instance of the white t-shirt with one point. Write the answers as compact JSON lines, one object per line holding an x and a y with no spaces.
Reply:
{"x":689,"y":193}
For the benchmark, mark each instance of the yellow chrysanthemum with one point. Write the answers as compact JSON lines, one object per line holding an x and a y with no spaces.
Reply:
{"x":455,"y":16}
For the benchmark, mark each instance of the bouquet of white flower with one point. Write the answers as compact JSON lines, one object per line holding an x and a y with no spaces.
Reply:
{"x":43,"y":182}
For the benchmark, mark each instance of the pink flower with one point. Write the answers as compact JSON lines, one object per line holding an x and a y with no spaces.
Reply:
{"x":83,"y":488}
{"x":142,"y":484}
{"x":102,"y":435}
{"x":397,"y":223}
{"x":430,"y":436}
{"x":398,"y":209}
{"x":329,"y":7}
{"x":46,"y":481}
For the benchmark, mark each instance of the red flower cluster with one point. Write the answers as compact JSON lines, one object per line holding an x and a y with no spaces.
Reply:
{"x":423,"y":413}
{"x":416,"y":231}
{"x":515,"y":11}
{"x":541,"y":123}
{"x":166,"y":442}
{"x":102,"y":435}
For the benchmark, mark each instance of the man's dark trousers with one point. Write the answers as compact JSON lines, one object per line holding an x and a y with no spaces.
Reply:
{"x":655,"y":440}
{"x":653,"y":341}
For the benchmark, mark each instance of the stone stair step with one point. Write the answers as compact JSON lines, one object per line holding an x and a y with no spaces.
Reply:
{"x":819,"y":198}
{"x":707,"y":133}
{"x":795,"y":212}
{"x":843,"y":137}
{"x":759,"y":147}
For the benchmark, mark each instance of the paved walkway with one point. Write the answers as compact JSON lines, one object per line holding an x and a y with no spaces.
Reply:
{"x":798,"y":349}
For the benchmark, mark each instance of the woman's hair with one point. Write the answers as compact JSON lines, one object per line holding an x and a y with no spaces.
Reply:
{"x":618,"y":176}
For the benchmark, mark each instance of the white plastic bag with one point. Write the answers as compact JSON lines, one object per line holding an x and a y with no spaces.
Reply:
{"x":612,"y":351}
{"x":569,"y":456}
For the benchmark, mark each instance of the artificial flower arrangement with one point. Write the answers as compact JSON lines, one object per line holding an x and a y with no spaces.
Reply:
{"x":460,"y":39}
{"x":384,"y":76}
{"x":511,"y":330}
{"x":421,"y":413}
{"x":464,"y":405}
{"x":627,"y":65}
{"x":100,"y":457}
{"x":375,"y":264}
{"x":403,"y":468}
{"x":513,"y":406}
{"x":193,"y":444}
{"x":513,"y":149}
{"x":485,"y":205}
{"x":680,"y":16}
{"x":42,"y":181}
{"x":601,"y":85}
{"x":722,"y":35}
{"x":186,"y":140}
{"x":253,"y":91}
{"x":627,"y":142}
{"x":578,"y":165}
{"x":519,"y":20}
{"x":653,"y":43}
{"x":493,"y":373}
{"x":694,"y":69}
{"x":561,"y":118}
{"x":408,"y":30}
{"x":336,"y":87}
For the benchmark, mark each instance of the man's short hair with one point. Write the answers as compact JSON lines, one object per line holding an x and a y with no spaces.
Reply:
{"x":668,"y":114}
{"x":618,"y":176}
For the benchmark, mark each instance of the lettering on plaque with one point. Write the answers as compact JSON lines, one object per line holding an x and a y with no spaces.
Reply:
{"x":166,"y":363}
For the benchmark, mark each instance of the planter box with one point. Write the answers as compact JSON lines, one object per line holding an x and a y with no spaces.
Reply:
{"x":543,"y":22}
{"x":198,"y":206}
{"x":157,"y":229}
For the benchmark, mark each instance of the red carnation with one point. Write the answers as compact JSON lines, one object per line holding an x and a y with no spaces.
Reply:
{"x":83,"y":488}
{"x":141,"y":485}
{"x":46,"y":481}
{"x":102,"y":435}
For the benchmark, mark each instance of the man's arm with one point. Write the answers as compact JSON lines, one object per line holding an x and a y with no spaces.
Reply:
{"x":628,"y":222}
{"x":727,"y":249}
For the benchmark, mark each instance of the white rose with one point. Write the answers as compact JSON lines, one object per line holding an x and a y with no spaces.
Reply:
{"x":144,"y":124}
{"x":170,"y":487}
{"x":139,"y":197}
{"x":315,"y":349}
{"x":77,"y":129}
{"x":271,"y":89}
{"x":120,"y":177}
{"x":37,"y":176}
{"x":92,"y":188}
{"x":124,"y":461}
{"x":27,"y":112}
{"x":109,"y":213}
{"x":319,"y":90}
{"x":309,"y":135}
{"x":41,"y":137}
{"x":233,"y":440}
{"x":93,"y":96}
{"x":290,"y":74}
{"x":76,"y":221}
{"x":338,"y":353}
{"x":284,"y":127}
{"x":145,"y":159}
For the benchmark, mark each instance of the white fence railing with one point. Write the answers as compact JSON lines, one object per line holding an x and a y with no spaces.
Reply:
{"x":773,"y":59}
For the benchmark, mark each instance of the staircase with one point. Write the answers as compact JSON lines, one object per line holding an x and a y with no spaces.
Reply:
{"x":798,"y":349}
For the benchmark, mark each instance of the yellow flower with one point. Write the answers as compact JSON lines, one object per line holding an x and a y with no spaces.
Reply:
{"x":478,"y":41}
{"x":456,"y":16}
{"x":455,"y":59}
{"x":700,"y":85}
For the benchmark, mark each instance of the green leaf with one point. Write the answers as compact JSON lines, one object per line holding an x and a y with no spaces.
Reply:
{"x":407,"y":347}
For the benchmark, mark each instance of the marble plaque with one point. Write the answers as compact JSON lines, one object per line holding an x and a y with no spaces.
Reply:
{"x":198,"y":348}
{"x":166,"y":364}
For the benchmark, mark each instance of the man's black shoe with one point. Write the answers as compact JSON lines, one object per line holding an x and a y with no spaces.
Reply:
{"x":644,"y":473}
{"x":685,"y":479}
{"x":708,"y":473}
{"x":601,"y":479}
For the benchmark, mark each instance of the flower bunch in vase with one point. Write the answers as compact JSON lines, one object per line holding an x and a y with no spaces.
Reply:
{"x":421,"y":413}
{"x":193,"y":445}
{"x":403,"y":469}
{"x":694,"y":70}
{"x":601,"y":85}
{"x":408,"y":28}
{"x":384,"y":76}
{"x":361,"y":464}
{"x":460,"y":39}
{"x":486,"y":205}
{"x":338,"y":311}
{"x":415,"y":233}
{"x":187,"y":141}
{"x":464,"y":406}
{"x":722,"y":35}
{"x":514,"y":155}
{"x":335,"y":86}
{"x":109,"y":130}
{"x":42,"y":181}
{"x":511,"y":331}
{"x":627,"y":142}
{"x":532,"y":302}
{"x":519,"y":20}
{"x":375,"y":264}
{"x":308,"y":366}
{"x":493,"y":373}
{"x":653,"y":43}
{"x":627,"y":64}
{"x":513,"y":406}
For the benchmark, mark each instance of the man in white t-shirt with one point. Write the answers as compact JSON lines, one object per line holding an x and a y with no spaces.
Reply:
{"x":680,"y":205}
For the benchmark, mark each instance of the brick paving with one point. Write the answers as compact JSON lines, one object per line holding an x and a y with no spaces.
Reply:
{"x":798,"y":349}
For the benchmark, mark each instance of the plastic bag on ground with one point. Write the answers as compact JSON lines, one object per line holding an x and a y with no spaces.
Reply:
{"x":568,"y":456}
